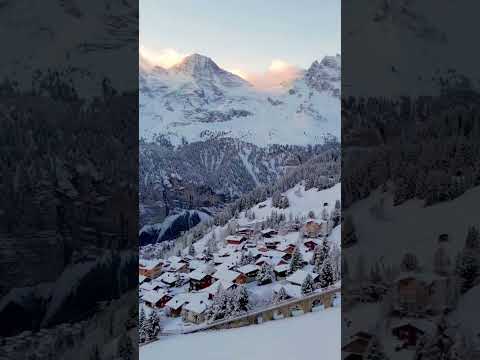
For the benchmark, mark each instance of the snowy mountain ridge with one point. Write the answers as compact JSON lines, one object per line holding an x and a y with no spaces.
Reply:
{"x":196,"y":100}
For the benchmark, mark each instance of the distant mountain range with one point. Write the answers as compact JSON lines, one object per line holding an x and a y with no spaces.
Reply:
{"x":197,"y":100}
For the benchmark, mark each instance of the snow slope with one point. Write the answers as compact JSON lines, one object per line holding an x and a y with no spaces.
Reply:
{"x":305,"y":337}
{"x":390,"y":232}
{"x":197,"y":100}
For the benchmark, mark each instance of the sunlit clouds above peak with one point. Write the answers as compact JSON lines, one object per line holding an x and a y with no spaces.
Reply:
{"x":166,"y":58}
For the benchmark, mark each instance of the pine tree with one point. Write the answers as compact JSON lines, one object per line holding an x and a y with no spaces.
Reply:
{"x":152,"y":326}
{"x":241,"y":299}
{"x":296,"y":263}
{"x":265,"y":275}
{"x":125,"y":348}
{"x":472,"y":242}
{"x":467,"y":270}
{"x":191,"y":250}
{"x":280,"y":296}
{"x":326,"y":274}
{"x":142,"y":336}
{"x":325,"y":216}
{"x":307,"y":285}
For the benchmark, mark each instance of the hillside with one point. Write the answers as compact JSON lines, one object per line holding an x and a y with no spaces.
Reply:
{"x":295,"y":338}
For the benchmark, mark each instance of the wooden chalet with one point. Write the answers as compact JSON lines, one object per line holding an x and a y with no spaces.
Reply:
{"x":156,"y":298}
{"x":199,"y":280}
{"x":151,"y":270}
{"x":235,"y":239}
{"x":313,"y":229}
{"x":268,"y":233}
{"x":250,"y":271}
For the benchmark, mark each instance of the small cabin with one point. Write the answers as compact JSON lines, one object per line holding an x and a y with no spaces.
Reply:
{"x":199,"y":280}
{"x":268,"y":233}
{"x":156,"y":299}
{"x":250,"y":271}
{"x":151,"y":270}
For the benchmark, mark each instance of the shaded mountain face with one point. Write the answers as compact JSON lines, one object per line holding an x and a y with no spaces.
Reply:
{"x":197,"y":100}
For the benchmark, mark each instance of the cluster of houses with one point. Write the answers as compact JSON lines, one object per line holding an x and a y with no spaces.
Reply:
{"x":185,"y":285}
{"x":418,"y":299}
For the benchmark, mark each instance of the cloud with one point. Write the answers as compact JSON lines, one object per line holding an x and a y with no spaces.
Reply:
{"x":279,"y":71}
{"x":165,"y":57}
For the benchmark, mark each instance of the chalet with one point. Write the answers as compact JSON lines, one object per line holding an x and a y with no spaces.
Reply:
{"x":356,"y":348}
{"x":151,"y":270}
{"x":250,"y":271}
{"x":179,"y":267}
{"x":213,"y":289}
{"x":169,"y":278}
{"x":199,"y":280}
{"x":261,"y":206}
{"x":286,"y":248}
{"x":409,"y":331}
{"x":420,"y":293}
{"x":268,"y":233}
{"x":195,"y":308}
{"x":175,"y":305}
{"x":313,"y":229}
{"x":152,"y":286}
{"x":156,"y":299}
{"x":299,"y":276}
{"x":230,"y":276}
{"x":311,"y":244}
{"x":281,"y":271}
{"x":272,"y":243}
{"x":235,"y":239}
{"x":245,"y":231}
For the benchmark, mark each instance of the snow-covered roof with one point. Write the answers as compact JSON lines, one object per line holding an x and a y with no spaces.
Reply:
{"x":174,"y":259}
{"x":177,"y":266}
{"x":197,"y":275}
{"x":226,"y":275}
{"x":248,"y":268}
{"x":141,"y":279}
{"x":427,"y":326}
{"x":224,"y":266}
{"x":197,"y":302}
{"x":195,"y":264}
{"x":212,"y":289}
{"x":177,"y":301}
{"x":154,"y":296}
{"x":281,"y":268}
{"x":147,"y":286}
{"x":235,"y":238}
{"x":263,"y":259}
{"x":150,"y":265}
{"x":298,"y":277}
{"x":284,"y":246}
{"x":427,"y":277}
{"x":168,"y":277}
{"x":268,"y":231}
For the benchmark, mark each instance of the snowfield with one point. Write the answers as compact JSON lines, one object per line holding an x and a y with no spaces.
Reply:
{"x":304,"y":337}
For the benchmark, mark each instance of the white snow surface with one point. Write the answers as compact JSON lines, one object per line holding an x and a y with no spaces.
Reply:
{"x":304,"y":337}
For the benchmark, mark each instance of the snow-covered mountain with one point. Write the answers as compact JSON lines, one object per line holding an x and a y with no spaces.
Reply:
{"x":197,"y":100}
{"x":409,"y":46}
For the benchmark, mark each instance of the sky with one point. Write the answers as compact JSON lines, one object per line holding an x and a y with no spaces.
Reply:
{"x":256,"y":39}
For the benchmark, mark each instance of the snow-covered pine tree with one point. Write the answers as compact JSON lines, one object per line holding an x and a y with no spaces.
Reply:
{"x":219,"y":305}
{"x":325,"y":215}
{"x":191,"y":250}
{"x":241,"y":299}
{"x":152,"y":326}
{"x":142,"y":336}
{"x":307,"y":285}
{"x":265,"y":275}
{"x":125,"y":348}
{"x":296,"y":263}
{"x":311,"y":214}
{"x":472,"y":242}
{"x":326,"y":274}
{"x":467,"y":270}
{"x":280,"y":296}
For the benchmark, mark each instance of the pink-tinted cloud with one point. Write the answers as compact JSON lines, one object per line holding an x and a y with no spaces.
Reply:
{"x":277,"y":73}
{"x":165,"y":57}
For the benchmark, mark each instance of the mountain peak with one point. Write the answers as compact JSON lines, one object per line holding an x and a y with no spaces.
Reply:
{"x":202,"y":68}
{"x":196,"y":64}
